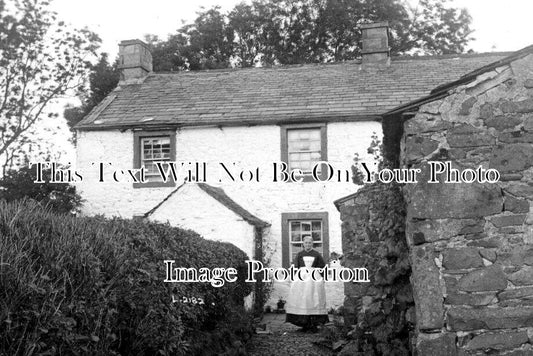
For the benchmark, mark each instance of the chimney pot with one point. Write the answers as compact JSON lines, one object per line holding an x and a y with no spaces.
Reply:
{"x":135,"y":60}
{"x":375,"y":47}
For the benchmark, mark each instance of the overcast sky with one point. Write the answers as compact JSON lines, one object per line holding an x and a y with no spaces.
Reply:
{"x":500,"y":25}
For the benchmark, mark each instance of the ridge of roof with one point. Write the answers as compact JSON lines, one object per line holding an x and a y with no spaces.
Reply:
{"x":347,"y":62}
{"x":451,"y":56}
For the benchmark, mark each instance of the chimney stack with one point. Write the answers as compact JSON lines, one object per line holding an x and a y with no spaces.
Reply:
{"x":376,"y":43}
{"x":135,"y":61}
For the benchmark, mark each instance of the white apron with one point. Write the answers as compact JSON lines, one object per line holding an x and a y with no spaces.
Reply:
{"x":307,"y":298}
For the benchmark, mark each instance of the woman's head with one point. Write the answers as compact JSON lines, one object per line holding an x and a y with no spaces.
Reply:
{"x":308,"y":242}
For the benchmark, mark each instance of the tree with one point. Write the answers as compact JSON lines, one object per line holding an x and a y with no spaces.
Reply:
{"x":168,"y":56}
{"x":306,"y":31}
{"x":245,"y":23}
{"x":103,"y":78}
{"x":19,"y":184}
{"x":40,"y":60}
{"x":338,"y":35}
{"x":438,"y":29}
{"x":205,"y":44}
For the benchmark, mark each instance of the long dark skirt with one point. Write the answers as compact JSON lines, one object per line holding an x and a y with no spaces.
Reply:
{"x":307,"y":321}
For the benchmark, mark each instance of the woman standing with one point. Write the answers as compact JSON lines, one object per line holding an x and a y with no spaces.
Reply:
{"x":306,"y":304}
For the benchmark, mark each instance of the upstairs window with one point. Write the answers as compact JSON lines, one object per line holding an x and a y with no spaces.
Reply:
{"x":149,"y":148}
{"x":303,"y":146}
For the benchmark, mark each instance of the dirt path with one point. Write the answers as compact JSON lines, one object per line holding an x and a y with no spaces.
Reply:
{"x":284,"y":339}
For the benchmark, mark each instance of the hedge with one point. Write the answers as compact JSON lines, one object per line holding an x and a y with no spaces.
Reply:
{"x":91,"y":285}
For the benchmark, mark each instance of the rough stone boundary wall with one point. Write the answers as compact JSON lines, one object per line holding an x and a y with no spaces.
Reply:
{"x":471,"y":245}
{"x":373,"y":237}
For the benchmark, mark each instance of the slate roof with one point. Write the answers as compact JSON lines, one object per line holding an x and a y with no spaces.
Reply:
{"x":221,"y":196}
{"x":297,"y":93}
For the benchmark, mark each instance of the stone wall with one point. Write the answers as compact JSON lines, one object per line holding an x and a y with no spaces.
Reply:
{"x":471,"y":244}
{"x":373,"y":237}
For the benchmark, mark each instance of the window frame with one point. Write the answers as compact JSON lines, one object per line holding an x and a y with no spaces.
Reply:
{"x":323,"y":146}
{"x":137,"y":138}
{"x":286,"y":218}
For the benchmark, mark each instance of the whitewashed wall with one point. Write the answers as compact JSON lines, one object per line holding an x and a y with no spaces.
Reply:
{"x":191,"y":208}
{"x":247,"y":147}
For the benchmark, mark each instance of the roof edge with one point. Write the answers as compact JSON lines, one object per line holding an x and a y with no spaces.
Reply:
{"x":341,"y":200}
{"x":299,"y":120}
{"x":151,"y":211}
{"x":442,"y":90}
{"x":96,"y":111}
{"x":219,"y":195}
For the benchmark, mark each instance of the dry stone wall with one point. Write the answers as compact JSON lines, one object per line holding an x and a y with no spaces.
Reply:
{"x":373,"y":236}
{"x":471,"y":244}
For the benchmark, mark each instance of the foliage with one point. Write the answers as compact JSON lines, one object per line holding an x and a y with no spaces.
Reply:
{"x":40,"y":60}
{"x":438,"y":29}
{"x":376,"y":151}
{"x":289,"y":32}
{"x":95,"y":286}
{"x":103,"y":78}
{"x":19,"y":184}
{"x":383,"y":325}
{"x":205,"y":44}
{"x":264,"y":289}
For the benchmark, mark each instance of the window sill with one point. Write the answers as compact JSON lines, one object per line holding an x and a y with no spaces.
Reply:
{"x":169,"y":183}
{"x":308,"y":178}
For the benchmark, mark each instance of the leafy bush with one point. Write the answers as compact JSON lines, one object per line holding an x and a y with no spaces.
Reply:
{"x":95,"y":286}
{"x":19,"y":184}
{"x":384,"y":324}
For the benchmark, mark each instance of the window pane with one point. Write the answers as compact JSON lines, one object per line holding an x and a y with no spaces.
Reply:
{"x":315,"y":134}
{"x":315,"y":145}
{"x":151,"y":168}
{"x":315,"y":156}
{"x":293,"y":135}
{"x":295,"y":226}
{"x":305,"y":157}
{"x":295,"y":236}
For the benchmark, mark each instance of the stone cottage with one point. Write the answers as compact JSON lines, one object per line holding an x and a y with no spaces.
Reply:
{"x":230,"y":128}
{"x":470,"y":243}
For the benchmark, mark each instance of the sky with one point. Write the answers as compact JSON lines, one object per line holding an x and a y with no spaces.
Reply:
{"x":498,"y":26}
